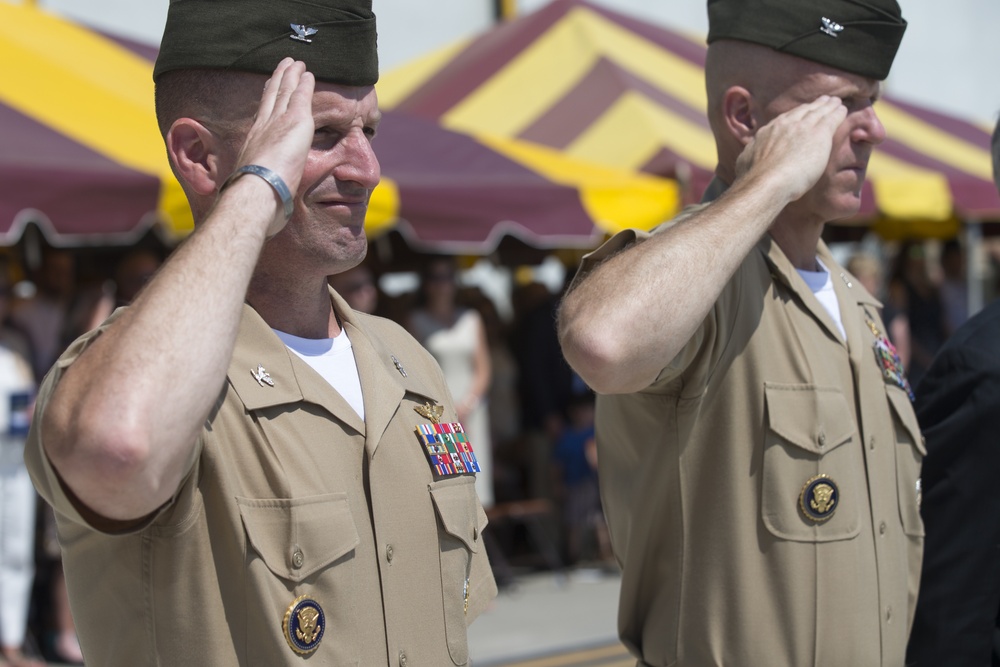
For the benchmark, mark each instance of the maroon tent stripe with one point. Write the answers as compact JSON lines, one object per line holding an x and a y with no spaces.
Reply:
{"x":869,"y":206}
{"x":454,"y":189}
{"x":479,"y":61}
{"x":141,"y":49}
{"x":952,"y":125}
{"x":971,"y":195}
{"x":85,"y":203}
{"x":915,"y":158}
{"x":490,"y":53}
{"x":979,"y":199}
{"x":440,"y":215}
{"x":666,"y":165}
{"x":77,"y":189}
{"x":593,"y":95}
{"x":668,"y":39}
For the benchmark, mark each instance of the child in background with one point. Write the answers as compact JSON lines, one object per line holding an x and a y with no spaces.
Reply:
{"x":575,"y":462}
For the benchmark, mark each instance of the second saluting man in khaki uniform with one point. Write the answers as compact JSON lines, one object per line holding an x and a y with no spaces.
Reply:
{"x":244,"y":470}
{"x":759,"y":457}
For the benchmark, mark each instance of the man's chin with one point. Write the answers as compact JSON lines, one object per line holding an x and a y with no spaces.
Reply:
{"x":845,"y":207}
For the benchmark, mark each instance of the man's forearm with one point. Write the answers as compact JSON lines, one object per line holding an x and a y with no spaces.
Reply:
{"x":628,"y":318}
{"x":123,"y":421}
{"x":623,"y":323}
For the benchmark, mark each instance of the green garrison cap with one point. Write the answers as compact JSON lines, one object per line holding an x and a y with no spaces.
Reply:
{"x":859,"y":36}
{"x":335,"y":38}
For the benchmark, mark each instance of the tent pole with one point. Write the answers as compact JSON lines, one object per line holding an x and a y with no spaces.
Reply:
{"x":974,"y":264}
{"x":504,"y":9}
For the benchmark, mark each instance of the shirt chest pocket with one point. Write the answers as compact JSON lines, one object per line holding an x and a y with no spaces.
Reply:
{"x":812,"y":468}
{"x":462,"y":520}
{"x":299,"y":536}
{"x":300,"y":547}
{"x":910,"y":452}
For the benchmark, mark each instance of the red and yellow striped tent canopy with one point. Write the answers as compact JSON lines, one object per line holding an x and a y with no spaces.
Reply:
{"x":80,"y":153}
{"x":81,"y":156}
{"x":604,"y":87}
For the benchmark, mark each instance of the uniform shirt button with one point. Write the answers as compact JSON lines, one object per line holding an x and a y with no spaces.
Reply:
{"x":298,"y":558}
{"x":888,"y":614}
{"x":402,"y":659}
{"x":388,"y":556}
{"x":475,"y":534}
{"x":881,"y":528}
{"x":822,"y":439}
{"x":871,"y":442}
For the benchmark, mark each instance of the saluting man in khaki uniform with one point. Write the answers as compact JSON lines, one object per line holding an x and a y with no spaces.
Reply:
{"x":759,"y":456}
{"x":244,"y":470}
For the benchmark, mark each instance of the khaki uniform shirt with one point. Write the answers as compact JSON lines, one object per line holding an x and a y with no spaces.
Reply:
{"x":290,"y":494}
{"x":702,"y":475}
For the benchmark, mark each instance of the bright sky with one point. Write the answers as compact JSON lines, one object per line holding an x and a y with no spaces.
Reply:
{"x":945,"y":62}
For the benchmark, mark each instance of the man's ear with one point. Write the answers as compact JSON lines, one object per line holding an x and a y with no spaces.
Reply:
{"x":195,"y":153}
{"x":738,"y":113}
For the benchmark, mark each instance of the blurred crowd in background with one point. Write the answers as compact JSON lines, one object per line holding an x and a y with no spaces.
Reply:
{"x":531,"y":420}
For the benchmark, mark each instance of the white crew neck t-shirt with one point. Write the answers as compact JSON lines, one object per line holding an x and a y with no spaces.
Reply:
{"x":333,"y":359}
{"x":821,"y":284}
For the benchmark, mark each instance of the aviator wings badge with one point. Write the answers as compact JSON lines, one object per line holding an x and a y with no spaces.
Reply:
{"x":302,"y":33}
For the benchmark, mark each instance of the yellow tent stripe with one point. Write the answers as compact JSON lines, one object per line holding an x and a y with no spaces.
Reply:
{"x":174,"y":208}
{"x":617,"y":138}
{"x":542,"y":74}
{"x":90,"y":89}
{"x":383,"y":208}
{"x":537,"y":78}
{"x":104,"y":100}
{"x":397,"y":84}
{"x":672,"y":74}
{"x":934,"y":142}
{"x":905,"y":191}
{"x":615,"y":199}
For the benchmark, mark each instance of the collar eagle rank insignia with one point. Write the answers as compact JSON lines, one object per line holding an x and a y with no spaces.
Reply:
{"x":831,"y":28}
{"x":302,"y":32}
{"x":261,"y":376}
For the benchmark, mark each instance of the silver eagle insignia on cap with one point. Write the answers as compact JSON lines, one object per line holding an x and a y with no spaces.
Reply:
{"x":302,"y":33}
{"x":831,"y":28}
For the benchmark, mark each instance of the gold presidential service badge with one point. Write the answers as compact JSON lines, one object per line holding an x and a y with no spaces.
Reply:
{"x":304,"y":625}
{"x":819,"y":498}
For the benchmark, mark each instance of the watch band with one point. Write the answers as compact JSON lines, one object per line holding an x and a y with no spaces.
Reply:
{"x":272,"y":179}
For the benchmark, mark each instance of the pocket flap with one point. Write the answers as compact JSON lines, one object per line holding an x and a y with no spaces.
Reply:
{"x":903,"y":408}
{"x":816,"y":419}
{"x":458,"y":508}
{"x":296,"y":537}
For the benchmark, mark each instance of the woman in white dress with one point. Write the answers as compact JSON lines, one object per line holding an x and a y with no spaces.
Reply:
{"x":457,"y":339}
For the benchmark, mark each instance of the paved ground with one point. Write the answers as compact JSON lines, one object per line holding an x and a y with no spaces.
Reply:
{"x":547,"y":620}
{"x":609,"y":655}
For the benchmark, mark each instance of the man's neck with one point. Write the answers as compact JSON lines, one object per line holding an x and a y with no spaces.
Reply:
{"x":799,"y":241}
{"x":796,"y":237}
{"x":303,"y":311}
